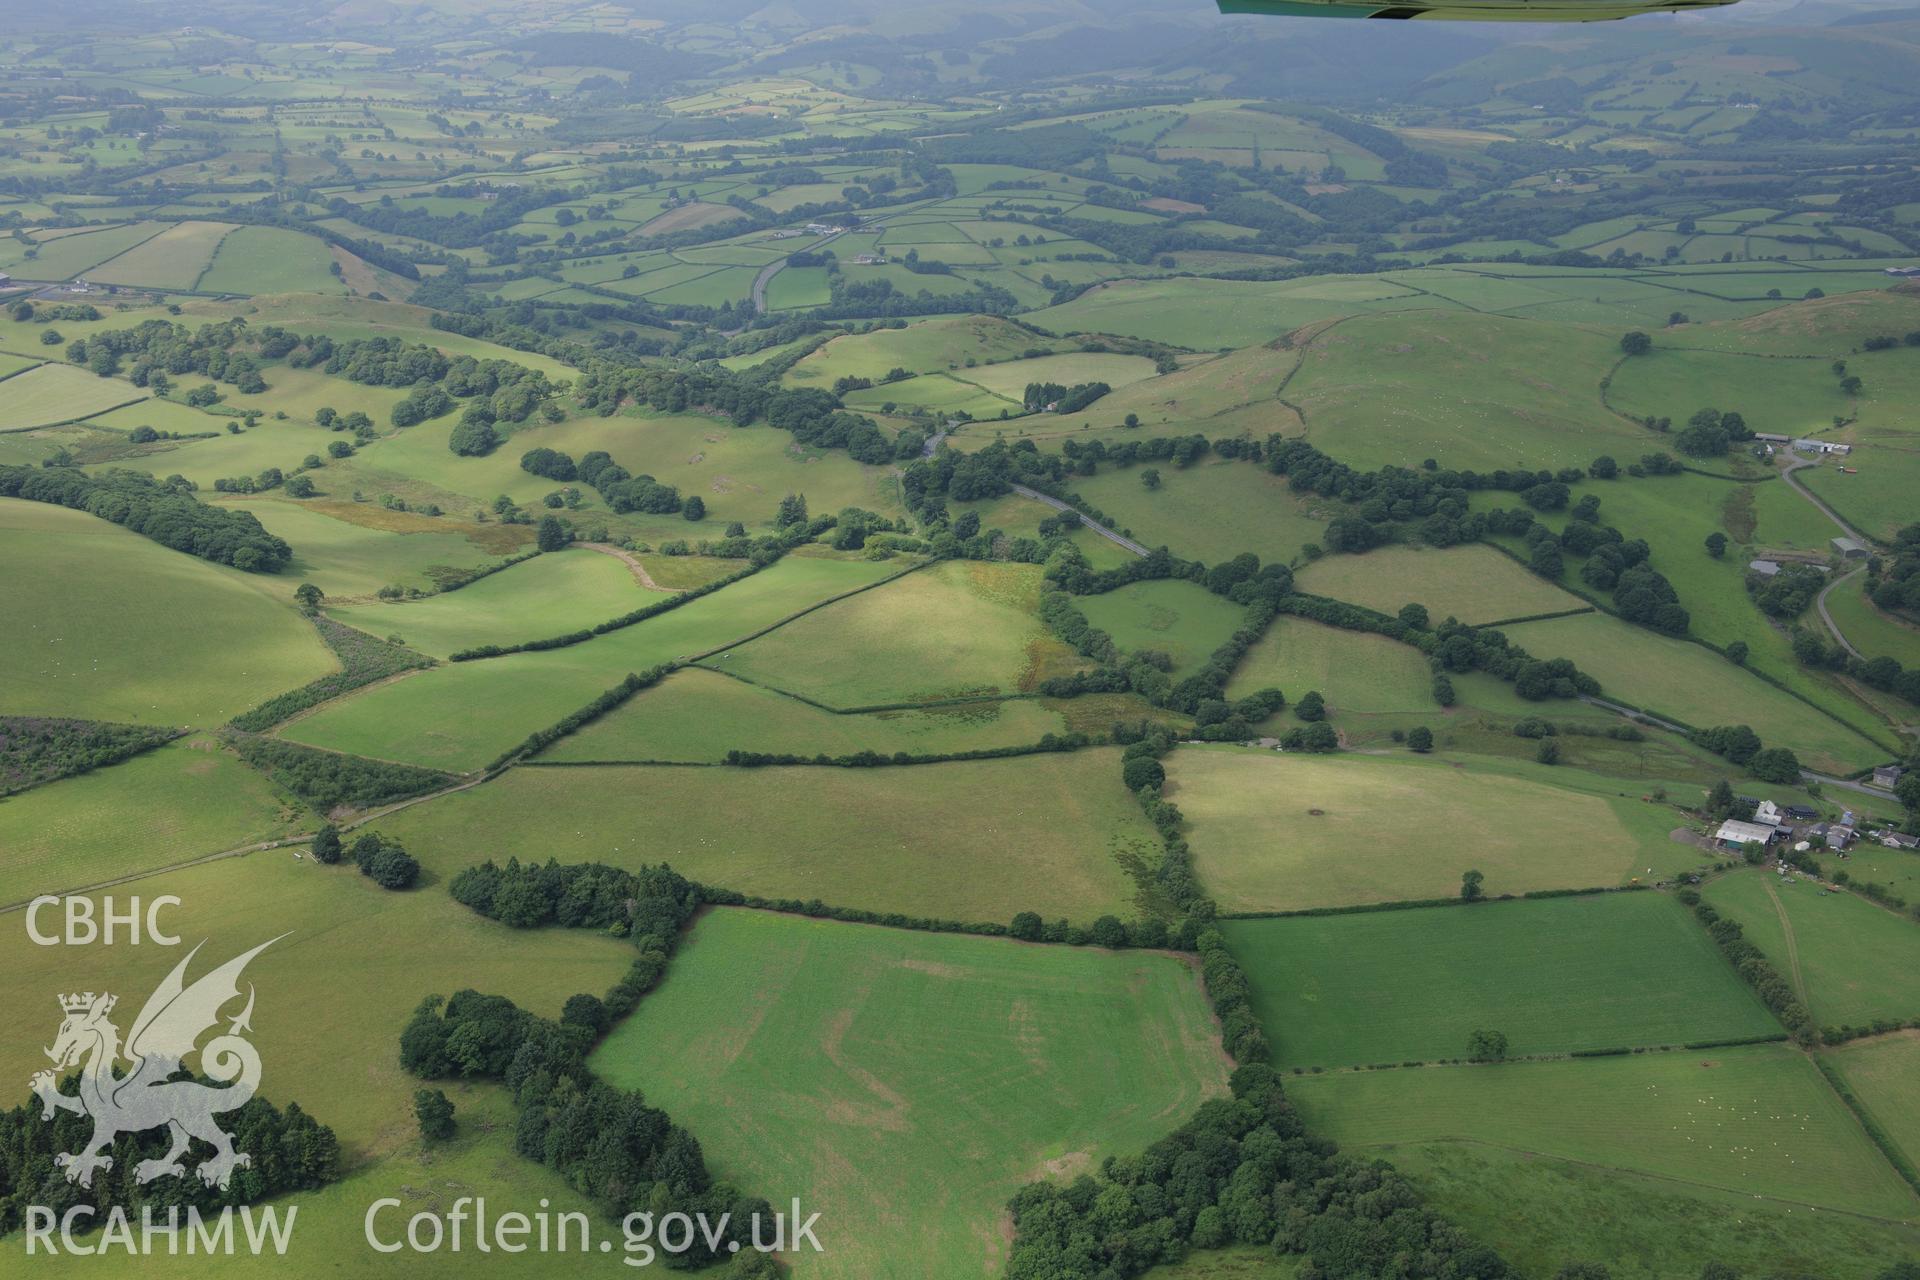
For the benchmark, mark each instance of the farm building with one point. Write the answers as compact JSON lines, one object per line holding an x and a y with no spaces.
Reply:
{"x":1850,"y":548}
{"x":1822,"y":446}
{"x":1887,"y":775}
{"x":1767,"y":814}
{"x":1905,"y":273}
{"x":1736,"y":835}
{"x":1899,"y":840}
{"x":1765,"y":568}
{"x":1771,"y":437}
{"x":870,"y":259}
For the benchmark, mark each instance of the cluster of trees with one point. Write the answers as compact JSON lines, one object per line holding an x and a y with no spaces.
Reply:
{"x":1243,"y":1170}
{"x":381,"y":859}
{"x":165,"y":511}
{"x":1812,"y":649}
{"x":1740,"y":745}
{"x":1052,"y":397}
{"x":1894,"y":583}
{"x":291,"y":1152}
{"x":1709,"y":433}
{"x":1788,"y":593}
{"x":329,"y":779}
{"x":161,"y":351}
{"x":37,"y":749}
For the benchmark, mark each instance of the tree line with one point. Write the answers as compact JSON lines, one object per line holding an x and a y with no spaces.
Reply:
{"x":165,"y":512}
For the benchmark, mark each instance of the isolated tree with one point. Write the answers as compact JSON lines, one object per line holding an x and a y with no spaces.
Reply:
{"x":793,"y":510}
{"x":300,"y":487}
{"x":736,"y":530}
{"x":1720,"y":799}
{"x":695,"y":509}
{"x":308,"y":596}
{"x":1311,"y":707}
{"x":1850,"y":385}
{"x":1486,"y":1046}
{"x":1470,"y":890}
{"x":435,"y":1114}
{"x":1636,"y":343}
{"x":1716,"y":544}
{"x":1548,"y":751}
{"x":552,"y":535}
{"x":1150,"y":478}
{"x":1420,"y":739}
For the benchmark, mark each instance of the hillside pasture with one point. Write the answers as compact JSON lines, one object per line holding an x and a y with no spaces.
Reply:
{"x":59,"y":393}
{"x":957,"y":1068}
{"x":1284,"y":832}
{"x":1181,"y":619}
{"x":548,"y":595}
{"x":102,"y":624}
{"x":698,"y":716}
{"x":1694,"y":685}
{"x":1851,"y":960}
{"x":973,"y":840}
{"x":955,"y":629}
{"x":1356,"y":672}
{"x":255,"y":260}
{"x":1556,"y":975}
{"x":1757,"y":1120}
{"x":1211,"y":511}
{"x":178,"y":802}
{"x":461,"y":716}
{"x":1475,"y":584}
{"x":927,"y":346}
{"x":1884,"y":1074}
{"x":174,"y":259}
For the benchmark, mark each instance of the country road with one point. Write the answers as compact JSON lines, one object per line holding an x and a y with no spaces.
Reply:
{"x":1820,"y":603}
{"x":774,"y":268}
{"x":1088,"y":521}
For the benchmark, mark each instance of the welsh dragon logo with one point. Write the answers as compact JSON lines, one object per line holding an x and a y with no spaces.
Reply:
{"x":166,"y":1032}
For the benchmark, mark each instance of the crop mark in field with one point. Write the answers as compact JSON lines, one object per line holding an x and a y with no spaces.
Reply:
{"x":1793,"y":947}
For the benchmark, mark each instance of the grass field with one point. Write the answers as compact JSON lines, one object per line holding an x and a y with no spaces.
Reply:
{"x":1211,"y":314}
{"x":181,"y":801}
{"x":1757,"y":1119}
{"x":59,"y":393}
{"x":698,"y":716}
{"x":1695,"y":686}
{"x":1282,"y":832}
{"x":1873,"y":632}
{"x":174,"y":259}
{"x":977,"y":840}
{"x":1477,"y":585}
{"x":924,"y":347}
{"x":463,"y":715}
{"x":1356,"y":672}
{"x":1555,"y":975}
{"x":102,"y":624}
{"x":333,"y":993}
{"x":344,"y":557}
{"x":1851,"y":961}
{"x":1542,"y":1211}
{"x":1210,"y":512}
{"x":1884,"y":1073}
{"x":547,"y":595}
{"x":1181,"y":619}
{"x":1878,"y":500}
{"x":954,"y":629}
{"x":270,"y":260}
{"x":916,"y":1080}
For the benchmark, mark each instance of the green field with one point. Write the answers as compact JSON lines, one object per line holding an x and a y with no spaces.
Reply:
{"x":1282,"y":832}
{"x":353,"y":549}
{"x":1878,"y":499}
{"x":101,"y":623}
{"x":1210,"y":511}
{"x":171,"y":805}
{"x":1471,"y":391}
{"x":174,"y":259}
{"x":1884,"y":1074}
{"x":59,"y":393}
{"x":1695,"y":686}
{"x":1756,"y":1120}
{"x":1872,"y":631}
{"x":977,"y":840}
{"x":926,"y":347}
{"x":698,"y":716}
{"x":1851,"y":960}
{"x":916,"y":1080}
{"x":955,"y":629}
{"x":270,"y":260}
{"x":1555,"y":975}
{"x":1211,"y":314}
{"x":1181,"y":619}
{"x":1476,"y":585}
{"x":333,"y":993}
{"x":545,"y":596}
{"x":1357,"y":673}
{"x":461,"y":716}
